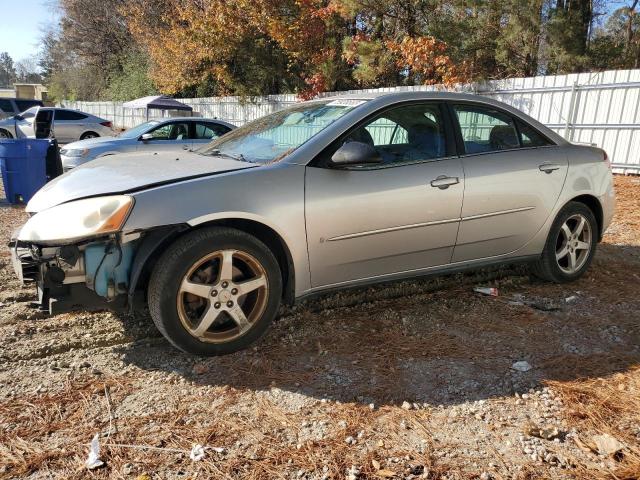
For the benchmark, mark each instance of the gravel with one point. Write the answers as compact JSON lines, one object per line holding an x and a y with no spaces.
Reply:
{"x":426,"y":377}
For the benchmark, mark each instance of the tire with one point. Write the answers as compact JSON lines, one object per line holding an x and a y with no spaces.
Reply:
{"x":5,"y":134}
{"x":566,"y":257}
{"x":86,"y":135}
{"x":194,"y":269}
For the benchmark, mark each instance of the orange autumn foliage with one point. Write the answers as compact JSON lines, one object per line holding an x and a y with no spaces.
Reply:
{"x":426,"y":57}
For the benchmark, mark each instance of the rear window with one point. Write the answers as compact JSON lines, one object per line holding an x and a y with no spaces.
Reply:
{"x":24,"y":104}
{"x":5,"y":106}
{"x":69,"y":115}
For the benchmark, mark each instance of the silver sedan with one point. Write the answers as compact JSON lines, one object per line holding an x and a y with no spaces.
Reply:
{"x":152,"y":136}
{"x":67,"y":125}
{"x":325,"y":195}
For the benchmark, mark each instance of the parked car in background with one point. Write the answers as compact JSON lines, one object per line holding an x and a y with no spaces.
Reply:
{"x":67,"y":125}
{"x":321,"y":196}
{"x":13,"y":106}
{"x":151,"y":136}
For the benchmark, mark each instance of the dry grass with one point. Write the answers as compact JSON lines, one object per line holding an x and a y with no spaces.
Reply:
{"x":50,"y":434}
{"x":607,"y":406}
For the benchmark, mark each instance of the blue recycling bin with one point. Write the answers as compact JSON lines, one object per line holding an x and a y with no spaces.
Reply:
{"x":23,"y":162}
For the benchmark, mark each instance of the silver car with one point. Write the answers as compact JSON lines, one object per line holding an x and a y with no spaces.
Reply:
{"x":152,"y":136}
{"x":324,"y":195}
{"x":67,"y":125}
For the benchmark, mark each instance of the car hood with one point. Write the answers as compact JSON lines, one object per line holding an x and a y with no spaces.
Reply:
{"x":93,"y":142}
{"x":129,"y":172}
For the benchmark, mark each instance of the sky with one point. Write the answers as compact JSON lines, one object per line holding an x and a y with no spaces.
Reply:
{"x":21,"y":24}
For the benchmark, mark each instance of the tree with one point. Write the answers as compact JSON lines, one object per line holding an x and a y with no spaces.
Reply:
{"x":132,"y":81}
{"x":7,"y":70}
{"x":569,"y":29}
{"x":27,"y":71}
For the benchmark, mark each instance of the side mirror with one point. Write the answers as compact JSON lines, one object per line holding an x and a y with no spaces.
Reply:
{"x":18,"y":117}
{"x":355,"y":153}
{"x":145,"y":137}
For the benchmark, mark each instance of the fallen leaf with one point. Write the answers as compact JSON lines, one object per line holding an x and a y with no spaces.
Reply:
{"x":607,"y":445}
{"x":376,"y":464}
{"x":386,"y":473}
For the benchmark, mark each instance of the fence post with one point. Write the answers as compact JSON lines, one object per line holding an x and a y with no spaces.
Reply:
{"x":573,"y":108}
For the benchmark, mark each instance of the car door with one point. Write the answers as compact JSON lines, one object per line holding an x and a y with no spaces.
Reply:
{"x":24,"y":125}
{"x":513,"y":178}
{"x":205,"y":132}
{"x":398,"y":216}
{"x":68,"y":125}
{"x":168,"y":136}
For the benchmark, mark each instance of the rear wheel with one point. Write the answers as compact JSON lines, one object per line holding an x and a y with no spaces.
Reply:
{"x":570,"y":246}
{"x":86,"y":135}
{"x":215,"y":291}
{"x":5,"y":134}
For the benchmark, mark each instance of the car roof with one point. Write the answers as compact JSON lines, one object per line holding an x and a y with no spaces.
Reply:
{"x":407,"y":95}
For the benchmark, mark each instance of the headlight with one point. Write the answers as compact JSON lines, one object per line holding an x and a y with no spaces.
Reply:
{"x":77,"y":220}
{"x":77,"y":152}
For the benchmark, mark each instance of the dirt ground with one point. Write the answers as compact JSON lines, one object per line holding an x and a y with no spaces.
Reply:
{"x":410,"y":380}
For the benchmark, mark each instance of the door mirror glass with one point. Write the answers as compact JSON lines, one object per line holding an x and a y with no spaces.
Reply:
{"x":145,"y":137}
{"x":355,"y":153}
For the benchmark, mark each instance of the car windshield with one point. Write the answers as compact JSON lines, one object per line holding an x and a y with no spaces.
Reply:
{"x":139,"y":129}
{"x":273,"y":137}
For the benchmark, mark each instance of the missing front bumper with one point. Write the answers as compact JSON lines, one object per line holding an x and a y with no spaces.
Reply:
{"x":97,"y":279}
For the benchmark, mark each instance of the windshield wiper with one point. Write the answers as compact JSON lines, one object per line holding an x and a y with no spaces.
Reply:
{"x":239,"y":157}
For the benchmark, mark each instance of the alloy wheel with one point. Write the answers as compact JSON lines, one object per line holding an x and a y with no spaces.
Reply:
{"x":573,"y":244}
{"x":222,"y":295}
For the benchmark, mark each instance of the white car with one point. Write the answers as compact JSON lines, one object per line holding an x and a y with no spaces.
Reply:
{"x":67,"y":125}
{"x":152,"y":136}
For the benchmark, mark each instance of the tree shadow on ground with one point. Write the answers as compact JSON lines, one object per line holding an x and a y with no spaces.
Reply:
{"x":439,"y":343}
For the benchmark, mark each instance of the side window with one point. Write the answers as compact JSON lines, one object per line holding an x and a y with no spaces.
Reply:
{"x":208,"y":131}
{"x":69,"y":115}
{"x":530,"y":138}
{"x":6,"y":107}
{"x":24,"y":104}
{"x":486,"y":130}
{"x":171,"y":131}
{"x":406,"y":134}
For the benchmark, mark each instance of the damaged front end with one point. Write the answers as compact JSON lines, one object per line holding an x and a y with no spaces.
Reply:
{"x":77,"y":254}
{"x":91,"y":274}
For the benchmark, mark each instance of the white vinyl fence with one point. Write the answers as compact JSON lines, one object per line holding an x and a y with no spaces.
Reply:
{"x":600,"y":108}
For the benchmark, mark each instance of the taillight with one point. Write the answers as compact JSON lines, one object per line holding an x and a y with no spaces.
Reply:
{"x":110,"y":125}
{"x":606,"y":159}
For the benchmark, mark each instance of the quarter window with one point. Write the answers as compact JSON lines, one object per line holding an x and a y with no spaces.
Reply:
{"x":486,"y":130}
{"x":531,"y":138}
{"x":407,"y":134}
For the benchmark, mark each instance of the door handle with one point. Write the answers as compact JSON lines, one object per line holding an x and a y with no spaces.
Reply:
{"x":549,"y":167}
{"x":443,"y":182}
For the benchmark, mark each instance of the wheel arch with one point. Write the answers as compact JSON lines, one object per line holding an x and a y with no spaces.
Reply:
{"x":158,"y":241}
{"x":593,"y":204}
{"x":83,"y":134}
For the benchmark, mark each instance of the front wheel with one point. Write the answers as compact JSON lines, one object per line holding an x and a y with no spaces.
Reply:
{"x":215,"y":291}
{"x":5,"y":134}
{"x":570,"y":246}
